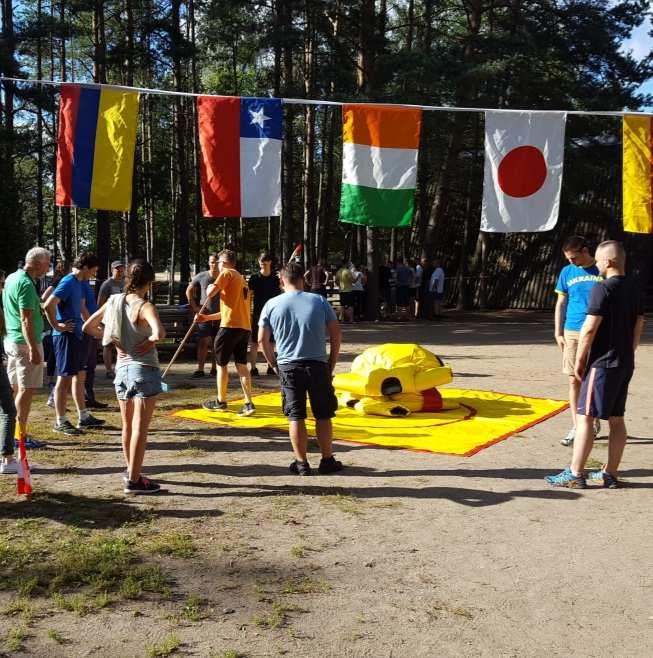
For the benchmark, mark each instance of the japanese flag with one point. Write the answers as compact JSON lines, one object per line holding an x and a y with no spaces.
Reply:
{"x":524,"y":154}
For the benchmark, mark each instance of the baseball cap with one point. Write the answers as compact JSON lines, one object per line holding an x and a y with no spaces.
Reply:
{"x":117,"y":263}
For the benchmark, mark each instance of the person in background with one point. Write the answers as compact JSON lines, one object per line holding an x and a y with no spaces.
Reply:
{"x":208,"y":330}
{"x":66,"y":311}
{"x":264,"y":286}
{"x":358,"y":291}
{"x":344,"y":281}
{"x":233,"y":337}
{"x":424,"y":299}
{"x":385,"y":289}
{"x":414,"y":287}
{"x":436,"y":289}
{"x":48,"y":347}
{"x":114,"y":285}
{"x":24,"y":332}
{"x":302,"y":322}
{"x":605,"y":362}
{"x":138,"y":378}
{"x":89,"y":353}
{"x":404,"y":277}
{"x":316,"y":278}
{"x":574,"y":286}
{"x":8,"y":465}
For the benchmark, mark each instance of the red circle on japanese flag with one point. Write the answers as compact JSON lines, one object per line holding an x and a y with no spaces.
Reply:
{"x":522,"y":171}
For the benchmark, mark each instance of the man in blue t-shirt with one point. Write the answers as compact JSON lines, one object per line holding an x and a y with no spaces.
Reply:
{"x":66,"y":311}
{"x":573,"y":288}
{"x":301,"y":323}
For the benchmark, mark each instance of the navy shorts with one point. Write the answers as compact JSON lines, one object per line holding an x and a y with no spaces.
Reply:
{"x":346,"y":299}
{"x":307,"y":377}
{"x":603,"y":392}
{"x":69,"y":354}
{"x":403,"y":295}
{"x":207,"y":329}
{"x":231,"y":342}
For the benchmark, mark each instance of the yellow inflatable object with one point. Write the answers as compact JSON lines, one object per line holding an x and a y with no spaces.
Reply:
{"x":391,"y":369}
{"x":402,"y":404}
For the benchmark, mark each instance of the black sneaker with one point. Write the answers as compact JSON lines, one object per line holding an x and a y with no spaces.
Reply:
{"x":67,"y":428}
{"x":143,"y":486}
{"x":96,"y":404}
{"x":329,"y":465}
{"x":254,"y":372}
{"x":300,"y":468}
{"x":90,"y":421}
{"x":247,"y":410}
{"x":214,"y":405}
{"x":271,"y":371}
{"x":198,"y":374}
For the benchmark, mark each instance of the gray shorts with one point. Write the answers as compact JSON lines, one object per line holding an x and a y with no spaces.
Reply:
{"x":136,"y":380}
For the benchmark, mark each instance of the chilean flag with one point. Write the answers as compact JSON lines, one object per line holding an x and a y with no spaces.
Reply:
{"x":240,"y":170}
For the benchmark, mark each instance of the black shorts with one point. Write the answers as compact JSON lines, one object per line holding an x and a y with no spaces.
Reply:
{"x":403,"y":295}
{"x":603,"y":392}
{"x":347,"y":299}
{"x":307,"y":377}
{"x":231,"y":342}
{"x":208,"y":329}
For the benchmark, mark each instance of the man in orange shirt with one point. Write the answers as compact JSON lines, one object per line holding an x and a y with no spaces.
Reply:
{"x":233,"y":336}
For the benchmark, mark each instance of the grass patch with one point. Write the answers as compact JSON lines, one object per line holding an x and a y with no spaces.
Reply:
{"x":344,"y":501}
{"x":20,"y":608}
{"x":226,"y":653}
{"x":174,"y":544}
{"x":304,"y":585}
{"x":81,"y":604}
{"x":192,"y":608}
{"x":14,"y":639}
{"x":593,"y":463}
{"x":166,"y":647}
{"x":299,"y":550}
{"x":55,"y":636}
{"x":441,"y":607}
{"x":277,"y":616}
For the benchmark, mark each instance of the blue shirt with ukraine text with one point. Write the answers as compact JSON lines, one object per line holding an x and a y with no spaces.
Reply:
{"x":298,"y":321}
{"x":576,"y":283}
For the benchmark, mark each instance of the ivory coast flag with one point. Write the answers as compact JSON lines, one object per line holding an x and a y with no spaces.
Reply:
{"x":638,"y":173}
{"x":379,"y":164}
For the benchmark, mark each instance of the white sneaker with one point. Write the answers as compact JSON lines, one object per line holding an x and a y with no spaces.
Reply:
{"x":569,"y":439}
{"x":9,"y":468}
{"x":597,"y":427}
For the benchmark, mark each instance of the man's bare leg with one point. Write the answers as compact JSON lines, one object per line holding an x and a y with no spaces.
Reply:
{"x":583,"y":443}
{"x":324,"y":432}
{"x":223,"y":383}
{"x":245,"y":381}
{"x":617,"y":443}
{"x":299,"y":439}
{"x":202,"y":351}
{"x":253,"y":355}
{"x":574,"y":392}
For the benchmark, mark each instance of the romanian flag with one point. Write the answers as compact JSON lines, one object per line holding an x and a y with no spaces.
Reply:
{"x":379,"y":164}
{"x":240,"y":169}
{"x":638,"y":173}
{"x":97,"y":138}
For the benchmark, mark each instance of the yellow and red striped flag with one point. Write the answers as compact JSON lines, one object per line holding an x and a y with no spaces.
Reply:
{"x":638,"y":173}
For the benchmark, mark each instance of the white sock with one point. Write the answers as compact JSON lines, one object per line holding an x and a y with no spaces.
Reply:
{"x":84,"y":414}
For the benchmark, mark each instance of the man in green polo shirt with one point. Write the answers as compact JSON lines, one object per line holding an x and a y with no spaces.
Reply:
{"x":24,"y":327}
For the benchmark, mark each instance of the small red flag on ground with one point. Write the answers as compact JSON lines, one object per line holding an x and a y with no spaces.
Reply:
{"x":24,"y":481}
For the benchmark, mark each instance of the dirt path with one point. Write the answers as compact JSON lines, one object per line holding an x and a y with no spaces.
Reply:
{"x":405,"y":554}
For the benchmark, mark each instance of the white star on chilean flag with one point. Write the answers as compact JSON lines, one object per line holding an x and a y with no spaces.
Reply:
{"x":524,"y":154}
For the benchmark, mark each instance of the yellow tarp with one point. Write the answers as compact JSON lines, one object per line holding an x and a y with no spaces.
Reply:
{"x":479,"y":419}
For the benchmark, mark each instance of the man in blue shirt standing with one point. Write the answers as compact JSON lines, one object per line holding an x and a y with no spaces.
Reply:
{"x":573,"y":288}
{"x":66,"y":312}
{"x":301,"y":322}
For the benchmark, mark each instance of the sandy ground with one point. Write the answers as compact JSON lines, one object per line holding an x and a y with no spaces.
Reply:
{"x":404,"y":554}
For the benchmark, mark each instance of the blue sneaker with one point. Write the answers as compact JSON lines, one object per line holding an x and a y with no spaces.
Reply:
{"x":601,"y":477}
{"x":567,"y":479}
{"x":32,"y":444}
